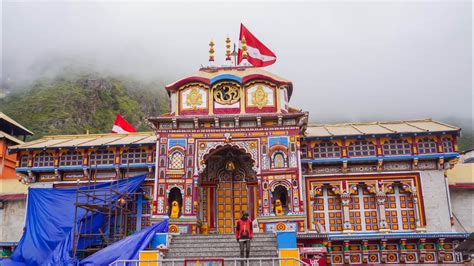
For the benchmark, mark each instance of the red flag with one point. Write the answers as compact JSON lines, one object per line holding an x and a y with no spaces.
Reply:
{"x":257,"y":53}
{"x":122,"y":126}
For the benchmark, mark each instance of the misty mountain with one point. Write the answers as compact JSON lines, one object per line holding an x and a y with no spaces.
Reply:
{"x":74,"y":104}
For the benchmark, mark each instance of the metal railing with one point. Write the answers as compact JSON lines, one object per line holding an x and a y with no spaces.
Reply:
{"x":213,"y":262}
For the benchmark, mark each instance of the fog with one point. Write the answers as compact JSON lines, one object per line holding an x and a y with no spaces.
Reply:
{"x":349,"y":61}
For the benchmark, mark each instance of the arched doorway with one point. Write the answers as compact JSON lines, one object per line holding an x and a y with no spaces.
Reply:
{"x":228,"y":187}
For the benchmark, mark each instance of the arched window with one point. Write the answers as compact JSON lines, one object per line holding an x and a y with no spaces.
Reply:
{"x":396,"y":147}
{"x":43,"y":159}
{"x":361,"y":148}
{"x":327,"y":211}
{"x":363,"y":211}
{"x":24,"y":161}
{"x":134,"y":156}
{"x":279,"y":160}
{"x":102,"y":157}
{"x":175,"y":195}
{"x":447,"y":145}
{"x":327,"y":149}
{"x":71,"y":158}
{"x":426,"y":146}
{"x":399,"y":210}
{"x":281,"y":193}
{"x":176,"y":160}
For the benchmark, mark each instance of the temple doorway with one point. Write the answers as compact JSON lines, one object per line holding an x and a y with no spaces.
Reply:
{"x":227,"y":188}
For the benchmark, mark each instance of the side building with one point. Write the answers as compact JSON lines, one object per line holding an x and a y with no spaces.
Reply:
{"x":12,"y":192}
{"x":377,"y":192}
{"x":69,"y":160}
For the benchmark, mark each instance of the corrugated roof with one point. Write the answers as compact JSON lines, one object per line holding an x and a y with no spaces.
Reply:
{"x":15,"y":124}
{"x":377,"y":128}
{"x":88,"y":140}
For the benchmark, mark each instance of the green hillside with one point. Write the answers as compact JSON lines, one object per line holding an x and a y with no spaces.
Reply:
{"x":76,"y":103}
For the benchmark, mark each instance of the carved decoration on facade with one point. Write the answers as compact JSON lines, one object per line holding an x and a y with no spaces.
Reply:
{"x":206,"y":147}
{"x":194,"y":98}
{"x":259,"y":97}
{"x":227,"y":93}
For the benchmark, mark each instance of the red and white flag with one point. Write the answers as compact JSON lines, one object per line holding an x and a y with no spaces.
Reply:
{"x":122,"y":126}
{"x":257,"y":53}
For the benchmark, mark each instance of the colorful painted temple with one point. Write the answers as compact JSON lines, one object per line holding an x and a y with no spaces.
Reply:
{"x":368,"y":192}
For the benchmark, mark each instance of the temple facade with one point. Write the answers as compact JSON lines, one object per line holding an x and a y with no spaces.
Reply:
{"x":366,"y":192}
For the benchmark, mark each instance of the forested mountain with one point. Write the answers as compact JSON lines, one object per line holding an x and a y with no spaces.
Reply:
{"x":74,"y":104}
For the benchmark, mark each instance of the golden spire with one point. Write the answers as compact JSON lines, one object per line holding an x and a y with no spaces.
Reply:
{"x":211,"y":51}
{"x":227,"y":49}
{"x":244,"y":48}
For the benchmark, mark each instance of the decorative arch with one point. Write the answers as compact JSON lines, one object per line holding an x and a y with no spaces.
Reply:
{"x":176,"y":158}
{"x":206,"y":149}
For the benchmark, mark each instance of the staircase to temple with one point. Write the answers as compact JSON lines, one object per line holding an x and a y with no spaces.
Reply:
{"x":220,"y":246}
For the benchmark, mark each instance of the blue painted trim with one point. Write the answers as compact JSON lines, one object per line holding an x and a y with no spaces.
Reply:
{"x":72,"y":167}
{"x":225,"y":77}
{"x":138,"y":165}
{"x":385,"y":158}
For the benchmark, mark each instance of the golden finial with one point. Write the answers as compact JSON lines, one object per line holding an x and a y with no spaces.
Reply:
{"x":227,"y":48}
{"x":211,"y":51}
{"x":244,"y":48}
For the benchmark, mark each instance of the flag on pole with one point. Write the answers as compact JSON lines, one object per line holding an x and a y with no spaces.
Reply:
{"x":257,"y":53}
{"x":122,"y":126}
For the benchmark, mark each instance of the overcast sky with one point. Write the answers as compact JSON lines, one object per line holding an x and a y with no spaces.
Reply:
{"x":349,"y":61}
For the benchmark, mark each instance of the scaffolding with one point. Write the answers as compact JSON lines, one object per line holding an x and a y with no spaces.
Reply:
{"x":104,"y":214}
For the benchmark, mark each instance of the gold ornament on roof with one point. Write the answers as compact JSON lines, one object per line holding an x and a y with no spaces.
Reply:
{"x":227,"y":94}
{"x":244,"y":47}
{"x":194,"y":98}
{"x":259,"y":97}
{"x":211,"y":51}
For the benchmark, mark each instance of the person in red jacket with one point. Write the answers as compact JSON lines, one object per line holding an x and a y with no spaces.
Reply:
{"x":244,"y":233}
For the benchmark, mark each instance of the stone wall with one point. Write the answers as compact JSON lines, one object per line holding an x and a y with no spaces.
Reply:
{"x":12,"y":219}
{"x":462,"y":201}
{"x":436,"y":201}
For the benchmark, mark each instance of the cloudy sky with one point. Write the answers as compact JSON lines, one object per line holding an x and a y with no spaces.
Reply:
{"x":349,"y":61}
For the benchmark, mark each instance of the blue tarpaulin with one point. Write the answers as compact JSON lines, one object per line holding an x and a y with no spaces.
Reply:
{"x":47,"y":237}
{"x":127,"y":248}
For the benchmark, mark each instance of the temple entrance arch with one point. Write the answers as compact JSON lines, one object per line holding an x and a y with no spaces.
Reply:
{"x":228,"y":187}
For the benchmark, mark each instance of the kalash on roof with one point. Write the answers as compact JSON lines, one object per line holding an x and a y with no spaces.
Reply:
{"x":239,"y":87}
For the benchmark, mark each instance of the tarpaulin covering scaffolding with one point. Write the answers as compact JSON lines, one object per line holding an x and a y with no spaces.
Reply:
{"x":50,"y":214}
{"x":127,"y":248}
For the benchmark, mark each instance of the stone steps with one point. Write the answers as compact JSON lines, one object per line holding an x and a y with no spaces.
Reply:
{"x":220,"y":246}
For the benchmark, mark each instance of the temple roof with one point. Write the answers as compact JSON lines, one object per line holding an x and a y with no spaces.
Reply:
{"x":378,"y":128}
{"x":241,"y":74}
{"x":88,"y":141}
{"x":10,"y":138}
{"x":12,"y":127}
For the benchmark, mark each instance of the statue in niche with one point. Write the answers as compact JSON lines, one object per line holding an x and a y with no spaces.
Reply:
{"x":174,"y":210}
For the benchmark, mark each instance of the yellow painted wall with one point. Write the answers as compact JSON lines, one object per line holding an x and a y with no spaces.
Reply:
{"x":461,"y":173}
{"x":12,"y":186}
{"x":289,"y":253}
{"x":148,"y":255}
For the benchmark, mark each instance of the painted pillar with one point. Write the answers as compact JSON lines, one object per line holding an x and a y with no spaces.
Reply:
{"x":346,"y":199}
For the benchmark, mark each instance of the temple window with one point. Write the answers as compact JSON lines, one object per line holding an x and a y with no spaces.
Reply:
{"x":134,"y":156}
{"x":363,"y":211}
{"x":24,"y":161}
{"x":102,"y":157}
{"x":279,"y":160}
{"x":427,"y":146}
{"x":327,"y":211}
{"x":304,"y":151}
{"x":447,"y":145}
{"x":327,"y":149}
{"x":396,"y":147}
{"x":399,"y":210}
{"x":71,"y":158}
{"x":43,"y":159}
{"x":176,"y":160}
{"x":361,"y":148}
